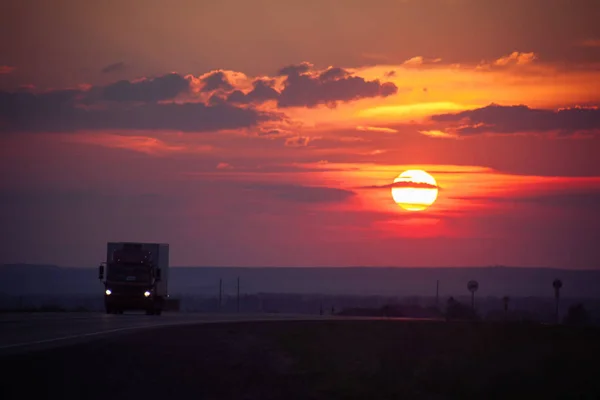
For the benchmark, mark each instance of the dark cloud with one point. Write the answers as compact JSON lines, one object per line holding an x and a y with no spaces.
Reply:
{"x":581,"y":200}
{"x":577,"y":199}
{"x":28,"y":108}
{"x":302,"y":89}
{"x":164,"y":87}
{"x":275,"y":132}
{"x":520,"y":118}
{"x":215,"y":81}
{"x":303,"y":194}
{"x":262,"y":91}
{"x":69,"y":198}
{"x":118,"y":66}
{"x":215,"y":99}
{"x":144,"y":103}
{"x":58,"y":111}
{"x":297,"y":141}
{"x":403,"y":184}
{"x":292,"y":70}
{"x":333,"y":73}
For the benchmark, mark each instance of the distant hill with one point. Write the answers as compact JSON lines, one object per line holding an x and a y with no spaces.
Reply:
{"x":26,"y":279}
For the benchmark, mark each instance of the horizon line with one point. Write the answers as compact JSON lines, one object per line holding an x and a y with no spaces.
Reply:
{"x":332,"y":267}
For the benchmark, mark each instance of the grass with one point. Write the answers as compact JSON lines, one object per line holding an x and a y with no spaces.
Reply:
{"x":382,"y":359}
{"x":43,"y":309}
{"x":396,"y":359}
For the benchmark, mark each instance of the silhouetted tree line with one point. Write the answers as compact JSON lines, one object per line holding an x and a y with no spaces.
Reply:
{"x":488,"y":309}
{"x":577,"y":316}
{"x":455,"y":310}
{"x":392,"y":310}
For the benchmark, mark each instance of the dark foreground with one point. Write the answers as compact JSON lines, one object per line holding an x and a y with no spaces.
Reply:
{"x":316,"y":360}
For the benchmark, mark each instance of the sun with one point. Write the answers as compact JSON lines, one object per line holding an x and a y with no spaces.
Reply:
{"x":414,"y":190}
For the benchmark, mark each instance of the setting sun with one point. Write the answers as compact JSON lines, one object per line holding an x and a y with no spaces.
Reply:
{"x":414,"y":190}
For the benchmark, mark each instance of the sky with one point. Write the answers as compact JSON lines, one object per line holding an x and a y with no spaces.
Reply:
{"x":270,"y":133}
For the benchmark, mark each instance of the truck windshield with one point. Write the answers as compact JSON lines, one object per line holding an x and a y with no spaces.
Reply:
{"x":128,"y":273}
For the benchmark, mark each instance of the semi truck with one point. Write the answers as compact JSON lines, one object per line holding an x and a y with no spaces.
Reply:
{"x":135,"y":277}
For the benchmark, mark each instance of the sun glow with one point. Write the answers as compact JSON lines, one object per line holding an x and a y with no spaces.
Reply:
{"x":414,"y":190}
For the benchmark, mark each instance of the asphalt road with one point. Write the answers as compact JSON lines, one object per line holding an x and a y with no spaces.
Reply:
{"x":36,"y":331}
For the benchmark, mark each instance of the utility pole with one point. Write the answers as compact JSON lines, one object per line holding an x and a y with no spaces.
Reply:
{"x":238,"y":294}
{"x":557,"y":284}
{"x":437,"y":294}
{"x":472,"y":286}
{"x":220,"y":293}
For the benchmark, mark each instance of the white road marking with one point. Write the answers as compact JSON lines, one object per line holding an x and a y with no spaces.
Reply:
{"x":199,"y":322}
{"x":129,"y":328}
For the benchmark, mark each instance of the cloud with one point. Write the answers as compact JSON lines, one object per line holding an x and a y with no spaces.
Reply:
{"x":23,"y":105}
{"x":297,"y":69}
{"x":589,"y":199}
{"x":141,"y":144}
{"x":277,"y":168}
{"x":403,"y":184}
{"x":303,"y":194}
{"x":420,"y":61}
{"x":590,"y":43}
{"x":521,"y":119}
{"x":305,"y":88}
{"x":164,"y":87}
{"x":333,"y":73}
{"x":216,"y":81}
{"x":437,"y":133}
{"x":376,"y":129}
{"x":517,"y":62}
{"x":217,"y":100}
{"x":61,"y":203}
{"x":58,"y":111}
{"x":516,"y":58}
{"x":274,"y":133}
{"x":118,"y":66}
{"x":262,"y":91}
{"x":581,"y":199}
{"x":5,"y":69}
{"x":224,"y":166}
{"x":297,"y":141}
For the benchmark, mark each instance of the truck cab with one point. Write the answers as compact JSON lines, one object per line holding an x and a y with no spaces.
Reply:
{"x":135,"y":277}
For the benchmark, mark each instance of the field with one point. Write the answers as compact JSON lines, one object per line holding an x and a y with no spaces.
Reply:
{"x":383,"y":359}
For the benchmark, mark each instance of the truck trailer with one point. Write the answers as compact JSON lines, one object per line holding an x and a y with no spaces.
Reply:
{"x":135,"y":277}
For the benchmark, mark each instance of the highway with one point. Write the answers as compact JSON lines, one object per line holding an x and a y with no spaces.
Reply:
{"x":23,"y":332}
{"x":175,"y":355}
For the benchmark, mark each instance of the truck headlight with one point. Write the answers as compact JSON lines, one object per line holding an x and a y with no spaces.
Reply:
{"x":108,"y":292}
{"x":146,"y":293}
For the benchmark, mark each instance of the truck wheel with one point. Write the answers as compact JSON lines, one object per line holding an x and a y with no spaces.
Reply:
{"x":149,"y":312}
{"x":158,"y":311}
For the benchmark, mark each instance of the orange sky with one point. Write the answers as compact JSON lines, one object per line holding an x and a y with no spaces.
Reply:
{"x":239,"y":136}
